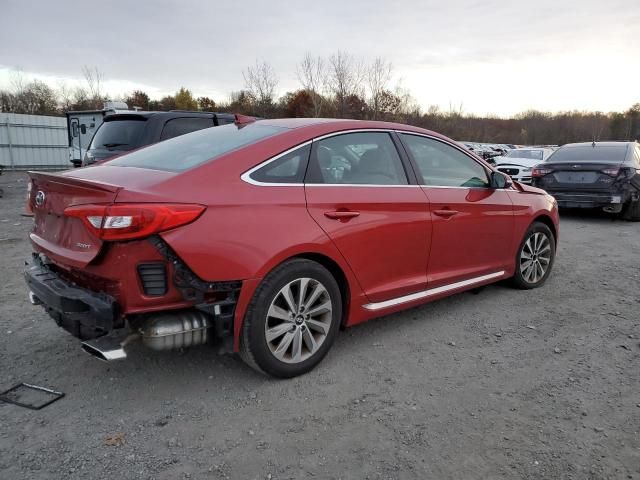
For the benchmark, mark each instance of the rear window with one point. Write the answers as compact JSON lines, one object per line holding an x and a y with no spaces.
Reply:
{"x":607,"y":154}
{"x":187,"y":151}
{"x":119,"y":134}
{"x":530,"y":154}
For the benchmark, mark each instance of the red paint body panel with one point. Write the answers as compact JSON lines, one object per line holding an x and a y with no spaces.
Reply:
{"x":400,"y":243}
{"x":64,"y":238}
{"x":387,"y":244}
{"x":474,"y":241}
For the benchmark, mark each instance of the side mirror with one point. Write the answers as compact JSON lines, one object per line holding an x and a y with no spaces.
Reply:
{"x":500,"y":180}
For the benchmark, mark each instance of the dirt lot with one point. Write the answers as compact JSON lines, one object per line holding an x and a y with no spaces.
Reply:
{"x":503,"y":384}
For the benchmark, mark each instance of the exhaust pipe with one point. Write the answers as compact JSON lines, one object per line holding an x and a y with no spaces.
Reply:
{"x":163,"y":331}
{"x":33,"y":299}
{"x":108,"y":347}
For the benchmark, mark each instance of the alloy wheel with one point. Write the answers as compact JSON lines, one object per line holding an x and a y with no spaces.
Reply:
{"x":535,"y":257}
{"x":298,"y":320}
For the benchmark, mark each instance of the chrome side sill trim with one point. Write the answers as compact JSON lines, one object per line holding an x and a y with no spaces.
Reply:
{"x":433,"y":291}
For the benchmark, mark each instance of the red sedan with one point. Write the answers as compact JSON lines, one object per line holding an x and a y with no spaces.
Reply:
{"x":265,"y":238}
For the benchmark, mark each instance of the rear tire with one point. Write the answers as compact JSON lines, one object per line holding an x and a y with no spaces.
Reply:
{"x":535,"y":257}
{"x":292,"y":320}
{"x":632,"y":211}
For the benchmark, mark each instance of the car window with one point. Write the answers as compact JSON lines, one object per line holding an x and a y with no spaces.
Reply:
{"x":119,"y":134}
{"x":289,"y":168}
{"x":599,"y":153}
{"x":443,"y":165}
{"x":364,"y":158}
{"x":180,"y":126}
{"x":530,"y":154}
{"x":186,"y":151}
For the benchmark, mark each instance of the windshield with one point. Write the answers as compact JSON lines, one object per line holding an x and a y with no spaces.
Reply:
{"x":119,"y":134}
{"x":187,"y":151}
{"x":607,"y":154}
{"x":531,"y":154}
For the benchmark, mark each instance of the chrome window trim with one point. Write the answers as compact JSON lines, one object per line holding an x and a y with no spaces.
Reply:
{"x":442,"y":140}
{"x":461,"y":188}
{"x":457,"y":147}
{"x":368,"y":185}
{"x":246,"y":177}
{"x":431,"y":292}
{"x":357,"y":130}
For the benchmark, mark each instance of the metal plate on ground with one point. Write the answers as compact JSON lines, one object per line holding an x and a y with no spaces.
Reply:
{"x":29,"y":396}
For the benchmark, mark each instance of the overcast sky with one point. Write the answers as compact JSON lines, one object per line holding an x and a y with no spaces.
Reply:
{"x":491,"y":56}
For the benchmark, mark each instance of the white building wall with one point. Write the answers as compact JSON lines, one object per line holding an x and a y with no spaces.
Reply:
{"x":33,"y":142}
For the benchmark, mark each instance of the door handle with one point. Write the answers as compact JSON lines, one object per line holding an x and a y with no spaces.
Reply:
{"x":446,"y":213}
{"x":341,"y":214}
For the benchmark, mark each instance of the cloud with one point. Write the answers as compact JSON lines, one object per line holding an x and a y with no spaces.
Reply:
{"x":443,"y":51}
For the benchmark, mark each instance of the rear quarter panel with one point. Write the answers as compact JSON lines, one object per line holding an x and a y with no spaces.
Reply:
{"x":249,"y":230}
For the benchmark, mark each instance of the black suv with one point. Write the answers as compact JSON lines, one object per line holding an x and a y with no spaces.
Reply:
{"x":127,"y":130}
{"x":594,"y":175}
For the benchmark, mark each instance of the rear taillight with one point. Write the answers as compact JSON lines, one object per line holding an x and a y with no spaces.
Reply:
{"x":133,"y":220}
{"x":540,"y":172}
{"x":612,"y":171}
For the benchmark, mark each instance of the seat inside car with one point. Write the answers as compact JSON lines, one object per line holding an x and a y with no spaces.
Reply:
{"x":374,"y":168}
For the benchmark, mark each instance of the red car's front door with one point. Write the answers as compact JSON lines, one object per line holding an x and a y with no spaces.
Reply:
{"x":472,"y":223}
{"x":358,"y":191}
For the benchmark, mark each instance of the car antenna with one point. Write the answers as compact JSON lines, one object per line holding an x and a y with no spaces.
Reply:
{"x":243,"y":119}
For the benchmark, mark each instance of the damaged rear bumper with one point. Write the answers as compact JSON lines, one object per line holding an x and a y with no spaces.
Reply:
{"x":613,"y":200}
{"x":83,"y":313}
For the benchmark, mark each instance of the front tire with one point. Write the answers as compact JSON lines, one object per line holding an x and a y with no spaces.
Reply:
{"x":292,"y":319}
{"x":535,"y":257}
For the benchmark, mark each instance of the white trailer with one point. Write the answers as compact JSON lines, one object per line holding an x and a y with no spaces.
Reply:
{"x":82,"y":125}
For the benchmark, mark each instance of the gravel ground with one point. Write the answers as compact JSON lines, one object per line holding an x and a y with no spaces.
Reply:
{"x":503,"y":384}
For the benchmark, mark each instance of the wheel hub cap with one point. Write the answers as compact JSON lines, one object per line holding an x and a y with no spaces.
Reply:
{"x":298,"y":320}
{"x":535,"y":257}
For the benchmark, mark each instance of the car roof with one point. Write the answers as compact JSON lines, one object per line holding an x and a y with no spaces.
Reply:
{"x":598,"y":144}
{"x":171,"y":113}
{"x":339,"y":124}
{"x":530,"y":148}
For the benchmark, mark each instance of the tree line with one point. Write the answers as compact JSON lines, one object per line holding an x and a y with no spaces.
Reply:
{"x":341,"y":86}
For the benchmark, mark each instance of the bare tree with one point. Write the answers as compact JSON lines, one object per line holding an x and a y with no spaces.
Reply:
{"x":345,"y":78}
{"x":34,"y":97}
{"x":455,"y":110}
{"x":18,"y":81}
{"x":312,"y":75}
{"x":378,"y":78}
{"x":65,"y":96}
{"x":408,"y":105}
{"x":94,"y":79}
{"x":261,"y":82}
{"x":599,"y":123}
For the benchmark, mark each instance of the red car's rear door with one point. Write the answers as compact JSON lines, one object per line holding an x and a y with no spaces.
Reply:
{"x":472,"y":223}
{"x":358,"y":191}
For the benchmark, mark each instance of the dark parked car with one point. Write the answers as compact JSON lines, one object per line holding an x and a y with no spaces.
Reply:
{"x":125,"y":131}
{"x":594,"y":175}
